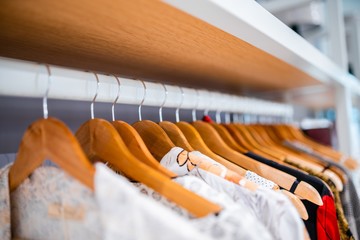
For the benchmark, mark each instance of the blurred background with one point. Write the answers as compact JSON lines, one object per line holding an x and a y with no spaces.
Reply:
{"x":333,"y":27}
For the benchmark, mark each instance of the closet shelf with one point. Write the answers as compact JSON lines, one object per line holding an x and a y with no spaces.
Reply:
{"x":249,"y":21}
{"x":232,"y":46}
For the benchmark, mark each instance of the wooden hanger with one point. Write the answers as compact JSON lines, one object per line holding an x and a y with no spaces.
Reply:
{"x":101,"y":141}
{"x":176,"y":136}
{"x":173,"y":131}
{"x":298,"y":204}
{"x":154,"y":137}
{"x":225,"y":135}
{"x":216,"y":144}
{"x":253,"y":139}
{"x":50,"y":139}
{"x":138,"y":148}
{"x":135,"y":143}
{"x":349,"y":162}
{"x":336,"y":175}
{"x":194,"y":138}
{"x":293,"y":156}
{"x":241,"y":141}
{"x":279,"y":155}
{"x":332,"y":170}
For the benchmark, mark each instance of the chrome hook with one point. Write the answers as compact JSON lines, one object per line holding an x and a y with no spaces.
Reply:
{"x":206,"y":110}
{"x":177,"y":115}
{"x":162,"y":105}
{"x":143,"y":99}
{"x":218,"y":116}
{"x":45,"y":105}
{"x":116,"y":99}
{"x":93,"y":101}
{"x":227,"y":118}
{"x":193,"y":112}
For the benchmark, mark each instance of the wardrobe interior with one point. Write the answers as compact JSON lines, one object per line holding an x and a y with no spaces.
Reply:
{"x":257,"y":100}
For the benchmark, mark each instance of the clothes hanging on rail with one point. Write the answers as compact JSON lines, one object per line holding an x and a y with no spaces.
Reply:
{"x":52,"y":205}
{"x":249,"y":175}
{"x":349,"y":196}
{"x":322,"y":221}
{"x":233,"y":222}
{"x":272,"y":209}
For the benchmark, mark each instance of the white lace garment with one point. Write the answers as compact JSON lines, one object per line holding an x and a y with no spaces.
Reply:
{"x":272,"y":209}
{"x":52,"y":205}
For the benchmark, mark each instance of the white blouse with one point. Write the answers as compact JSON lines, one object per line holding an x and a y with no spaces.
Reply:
{"x":233,"y":222}
{"x":272,"y":209}
{"x":52,"y":205}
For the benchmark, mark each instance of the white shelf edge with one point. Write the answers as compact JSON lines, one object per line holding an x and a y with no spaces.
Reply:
{"x":249,"y":21}
{"x":28,"y":79}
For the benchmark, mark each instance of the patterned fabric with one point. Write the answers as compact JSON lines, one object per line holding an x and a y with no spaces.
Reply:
{"x":351,"y":206}
{"x":52,"y":205}
{"x":349,"y":196}
{"x":345,"y":232}
{"x":253,"y":177}
{"x":272,"y":209}
{"x":317,"y":228}
{"x":127,"y":214}
{"x":233,"y":222}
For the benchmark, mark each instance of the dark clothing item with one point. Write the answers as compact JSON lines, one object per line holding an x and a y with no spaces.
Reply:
{"x":322,"y":223}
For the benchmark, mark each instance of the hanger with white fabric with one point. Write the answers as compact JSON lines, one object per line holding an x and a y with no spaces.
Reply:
{"x":101,"y":141}
{"x":134,"y":142}
{"x":173,"y":131}
{"x":50,"y":139}
{"x":214,"y":141}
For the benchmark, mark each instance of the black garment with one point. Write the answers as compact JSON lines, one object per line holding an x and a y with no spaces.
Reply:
{"x":311,"y":223}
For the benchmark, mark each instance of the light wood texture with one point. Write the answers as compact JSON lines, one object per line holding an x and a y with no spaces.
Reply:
{"x":293,"y":156}
{"x":349,"y":162}
{"x":216,"y":144}
{"x":228,"y":139}
{"x":300,"y":207}
{"x":176,"y":136}
{"x":101,"y":141}
{"x":241,"y":140}
{"x":198,"y":144}
{"x":50,"y":139}
{"x":137,"y":147}
{"x":140,"y":39}
{"x":154,"y":137}
{"x":282,"y":154}
{"x":332,"y":170}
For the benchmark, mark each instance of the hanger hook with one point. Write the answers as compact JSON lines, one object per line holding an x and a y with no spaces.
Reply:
{"x":218,"y":116}
{"x":93,"y":101}
{"x":177,"y":115}
{"x":116,"y":99}
{"x":45,"y":105}
{"x":193,"y":112}
{"x":143,"y":99}
{"x":162,"y":105}
{"x":206,"y":110}
{"x":227,"y":118}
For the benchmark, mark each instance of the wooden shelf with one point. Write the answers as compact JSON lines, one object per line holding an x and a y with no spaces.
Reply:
{"x":249,"y":21}
{"x":142,"y":39}
{"x":202,"y":44}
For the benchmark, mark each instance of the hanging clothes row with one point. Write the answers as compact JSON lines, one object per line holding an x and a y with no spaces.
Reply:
{"x":175,"y":180}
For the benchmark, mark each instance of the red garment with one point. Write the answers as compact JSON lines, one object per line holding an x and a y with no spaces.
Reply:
{"x":207,"y":118}
{"x":326,"y":221}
